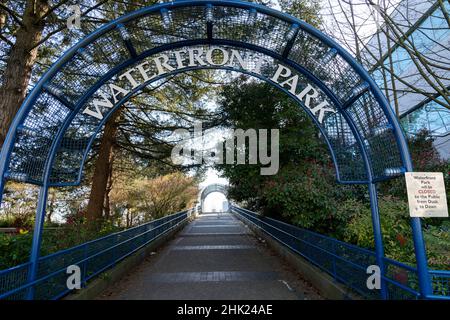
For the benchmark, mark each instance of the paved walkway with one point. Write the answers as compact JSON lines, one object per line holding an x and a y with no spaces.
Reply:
{"x":214,"y":257}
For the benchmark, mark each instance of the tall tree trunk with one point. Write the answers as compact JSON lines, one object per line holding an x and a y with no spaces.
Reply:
{"x":128,"y":217}
{"x":51,"y":206}
{"x":2,"y":18}
{"x":102,"y":170}
{"x":107,"y":205}
{"x":20,"y":62}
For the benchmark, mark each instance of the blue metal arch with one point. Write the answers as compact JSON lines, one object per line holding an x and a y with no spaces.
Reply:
{"x":81,"y":103}
{"x":397,"y":132}
{"x":4,"y":159}
{"x":140,"y":87}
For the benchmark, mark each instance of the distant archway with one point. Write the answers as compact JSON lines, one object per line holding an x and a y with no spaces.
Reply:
{"x":216,"y":187}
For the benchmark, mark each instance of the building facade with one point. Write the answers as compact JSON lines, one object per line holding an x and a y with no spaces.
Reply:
{"x":417,"y":88}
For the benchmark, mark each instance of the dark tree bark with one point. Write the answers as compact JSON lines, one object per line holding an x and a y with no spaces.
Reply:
{"x":102,"y":170}
{"x":51,"y":206}
{"x":19,"y":66}
{"x":107,"y":205}
{"x":2,"y":19}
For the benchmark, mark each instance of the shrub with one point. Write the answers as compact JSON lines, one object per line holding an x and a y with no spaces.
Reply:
{"x":14,"y":249}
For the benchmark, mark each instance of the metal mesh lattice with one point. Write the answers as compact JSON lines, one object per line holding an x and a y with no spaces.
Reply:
{"x":33,"y":144}
{"x":353,"y":134}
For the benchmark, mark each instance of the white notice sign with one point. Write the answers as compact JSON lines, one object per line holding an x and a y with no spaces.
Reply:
{"x":426,"y":194}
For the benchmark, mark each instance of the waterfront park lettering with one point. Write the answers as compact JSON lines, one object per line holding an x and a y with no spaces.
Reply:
{"x":197,"y":58}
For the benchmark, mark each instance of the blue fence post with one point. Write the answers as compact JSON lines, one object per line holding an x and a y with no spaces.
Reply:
{"x":37,"y":238}
{"x":2,"y":189}
{"x":416,"y":226}
{"x":421,"y":258}
{"x":85,"y":265}
{"x":333,"y":261}
{"x":378,"y":237}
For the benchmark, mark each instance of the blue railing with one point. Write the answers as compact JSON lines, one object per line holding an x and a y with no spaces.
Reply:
{"x":348,"y":263}
{"x":92,"y":257}
{"x":440,"y":280}
{"x":344,"y":262}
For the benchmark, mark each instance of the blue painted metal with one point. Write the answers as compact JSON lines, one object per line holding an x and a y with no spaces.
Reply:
{"x":440,"y":284}
{"x":345,"y":262}
{"x":421,"y":258}
{"x":398,"y":134}
{"x":131,"y":16}
{"x":378,"y":235}
{"x":180,"y":44}
{"x":92,"y":257}
{"x":37,"y":238}
{"x":301,"y":69}
{"x":419,"y":245}
{"x":169,"y":74}
{"x":348,"y":263}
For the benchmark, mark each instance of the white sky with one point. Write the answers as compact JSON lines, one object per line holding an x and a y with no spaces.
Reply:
{"x":215,"y":202}
{"x":212,"y":176}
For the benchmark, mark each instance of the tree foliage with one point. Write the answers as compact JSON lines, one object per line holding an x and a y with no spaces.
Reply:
{"x":142,"y":199}
{"x":301,"y":190}
{"x":304,"y":191}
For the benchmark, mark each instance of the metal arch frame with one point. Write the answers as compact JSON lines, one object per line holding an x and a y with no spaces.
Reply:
{"x":184,"y":3}
{"x":172,"y":73}
{"x":424,"y":279}
{"x":218,"y":187}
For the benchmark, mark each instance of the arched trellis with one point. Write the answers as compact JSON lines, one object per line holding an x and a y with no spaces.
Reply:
{"x":215,"y":187}
{"x":53,"y":130}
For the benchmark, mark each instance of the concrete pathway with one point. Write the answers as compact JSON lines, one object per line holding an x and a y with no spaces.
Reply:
{"x":214,"y":257}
